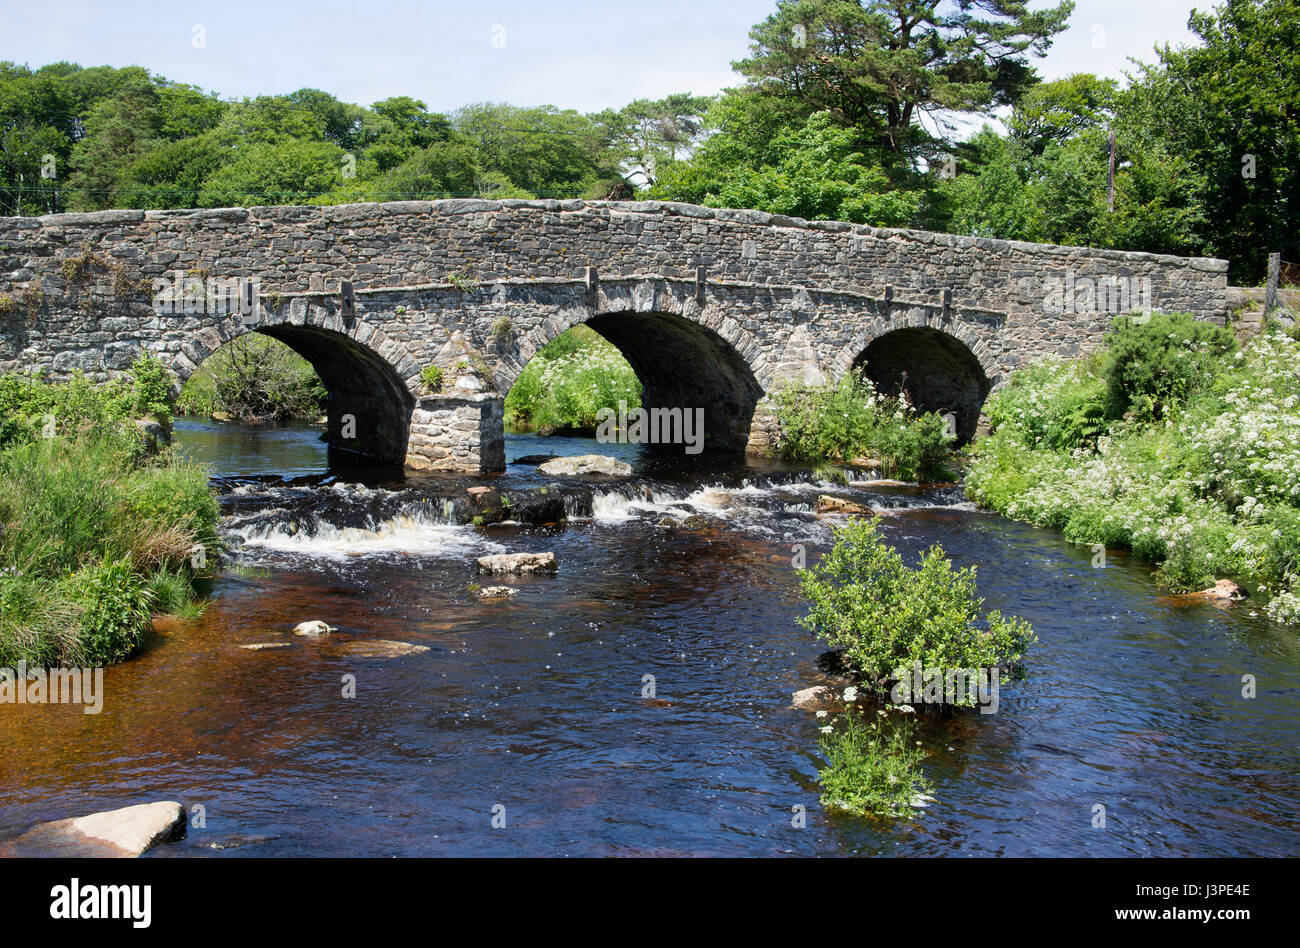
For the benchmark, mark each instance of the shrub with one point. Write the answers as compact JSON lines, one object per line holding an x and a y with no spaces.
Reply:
{"x":1210,"y":489}
{"x":255,"y":378}
{"x":569,"y":382}
{"x":886,"y":615}
{"x":850,"y":419}
{"x":872,"y":767}
{"x":115,"y":605}
{"x":1153,"y":365}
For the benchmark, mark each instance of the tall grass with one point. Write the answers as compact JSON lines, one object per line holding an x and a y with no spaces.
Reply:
{"x":96,"y":532}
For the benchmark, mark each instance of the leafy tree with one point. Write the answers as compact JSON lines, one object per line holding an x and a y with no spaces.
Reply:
{"x":882,"y":66}
{"x":1231,"y":107}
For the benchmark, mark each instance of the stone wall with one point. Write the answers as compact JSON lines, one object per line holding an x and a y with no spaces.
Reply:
{"x":715,"y":308}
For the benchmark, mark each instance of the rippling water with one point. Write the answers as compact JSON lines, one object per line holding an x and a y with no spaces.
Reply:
{"x":1133,"y":701}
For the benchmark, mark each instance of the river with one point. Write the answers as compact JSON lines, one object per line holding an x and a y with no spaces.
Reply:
{"x":535,"y":704}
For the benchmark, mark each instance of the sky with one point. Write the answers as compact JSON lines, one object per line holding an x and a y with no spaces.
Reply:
{"x":583,"y":54}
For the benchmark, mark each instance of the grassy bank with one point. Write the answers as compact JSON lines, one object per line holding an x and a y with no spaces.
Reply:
{"x":840,"y":423}
{"x":1173,"y":443}
{"x":101,"y":530}
{"x":569,"y":380}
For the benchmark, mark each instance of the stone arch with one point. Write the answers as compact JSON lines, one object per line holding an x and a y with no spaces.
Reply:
{"x":370,"y":378}
{"x":943,"y":365}
{"x":685,"y":356}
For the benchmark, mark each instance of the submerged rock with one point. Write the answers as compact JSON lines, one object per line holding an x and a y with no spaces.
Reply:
{"x":314,"y":627}
{"x":583,"y":464}
{"x":517,"y":563}
{"x":828,"y":504}
{"x":534,"y":459}
{"x":817,"y":698}
{"x":122,"y":833}
{"x":377,"y":648}
{"x":496,"y":592}
{"x":263,"y":646}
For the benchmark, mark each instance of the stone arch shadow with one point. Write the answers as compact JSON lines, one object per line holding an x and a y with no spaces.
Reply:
{"x":682,"y":360}
{"x":369,"y":378}
{"x":942,"y":365}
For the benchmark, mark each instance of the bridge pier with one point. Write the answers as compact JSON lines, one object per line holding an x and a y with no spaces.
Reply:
{"x":464,"y":433}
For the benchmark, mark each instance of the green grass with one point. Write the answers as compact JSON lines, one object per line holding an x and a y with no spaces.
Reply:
{"x":97,"y":532}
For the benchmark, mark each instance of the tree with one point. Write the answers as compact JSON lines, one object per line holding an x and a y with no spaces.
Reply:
{"x":881,"y":66}
{"x":1231,"y":107}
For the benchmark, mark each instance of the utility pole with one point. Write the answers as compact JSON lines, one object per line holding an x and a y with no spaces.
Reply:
{"x":1110,"y":173}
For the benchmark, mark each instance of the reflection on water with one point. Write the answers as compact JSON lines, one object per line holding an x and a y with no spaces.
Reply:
{"x":535,"y":702}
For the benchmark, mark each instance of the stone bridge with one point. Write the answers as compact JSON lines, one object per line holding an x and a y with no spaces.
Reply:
{"x":714,"y":309}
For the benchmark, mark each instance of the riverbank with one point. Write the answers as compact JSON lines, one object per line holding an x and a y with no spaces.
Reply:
{"x":104,"y":525}
{"x":1204,"y":482}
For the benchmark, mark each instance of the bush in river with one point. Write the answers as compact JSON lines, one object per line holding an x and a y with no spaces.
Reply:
{"x":97,"y":532}
{"x":873,"y":767}
{"x":851,"y":419}
{"x":1210,"y":487}
{"x":887,"y":615}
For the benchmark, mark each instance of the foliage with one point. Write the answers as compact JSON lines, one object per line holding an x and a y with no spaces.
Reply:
{"x":255,"y":378}
{"x":886,"y":615}
{"x":98,"y":532}
{"x":1153,"y":365}
{"x":850,"y":419}
{"x":569,"y":381}
{"x":28,"y":403}
{"x":1211,"y":488}
{"x":872,"y":767}
{"x":431,"y":378}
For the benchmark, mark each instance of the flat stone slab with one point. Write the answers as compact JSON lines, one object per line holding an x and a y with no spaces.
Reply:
{"x":123,"y":833}
{"x":517,"y":563}
{"x":263,"y":646}
{"x":583,"y":464}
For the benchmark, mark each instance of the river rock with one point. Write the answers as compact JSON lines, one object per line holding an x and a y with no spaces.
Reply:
{"x":314,"y":627}
{"x":263,"y":646}
{"x":870,"y":464}
{"x":817,"y":698}
{"x":496,"y":592}
{"x":377,"y":648}
{"x":534,"y":459}
{"x":1226,"y":590}
{"x":517,"y":563}
{"x":479,"y":494}
{"x":584,"y":464}
{"x":122,"y":833}
{"x":828,"y":504}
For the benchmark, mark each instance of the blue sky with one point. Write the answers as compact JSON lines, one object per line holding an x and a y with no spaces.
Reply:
{"x":585,"y":55}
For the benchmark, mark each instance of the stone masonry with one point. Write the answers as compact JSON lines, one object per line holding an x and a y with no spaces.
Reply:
{"x":714,"y":308}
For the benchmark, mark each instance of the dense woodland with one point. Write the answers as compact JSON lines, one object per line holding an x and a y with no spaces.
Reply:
{"x":845,"y":111}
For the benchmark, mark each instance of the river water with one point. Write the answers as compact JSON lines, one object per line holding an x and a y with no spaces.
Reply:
{"x":535,"y":704}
